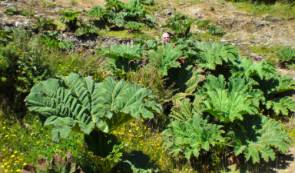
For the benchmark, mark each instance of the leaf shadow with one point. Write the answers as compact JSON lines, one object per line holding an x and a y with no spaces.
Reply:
{"x":138,"y":159}
{"x":281,"y":162}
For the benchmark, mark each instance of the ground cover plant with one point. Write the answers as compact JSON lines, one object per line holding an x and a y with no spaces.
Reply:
{"x":138,"y":105}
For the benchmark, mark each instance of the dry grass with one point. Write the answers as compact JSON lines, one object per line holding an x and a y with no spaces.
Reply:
{"x":83,"y":4}
{"x":79,"y":3}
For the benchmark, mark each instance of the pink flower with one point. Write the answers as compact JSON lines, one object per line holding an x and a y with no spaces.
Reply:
{"x":165,"y":37}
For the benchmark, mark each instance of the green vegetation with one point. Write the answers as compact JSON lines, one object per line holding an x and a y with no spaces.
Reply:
{"x":277,"y":55}
{"x":92,"y":91}
{"x":76,"y":101}
{"x":21,"y":145}
{"x":118,"y":15}
{"x":165,"y":58}
{"x":277,"y":9}
{"x":180,"y":25}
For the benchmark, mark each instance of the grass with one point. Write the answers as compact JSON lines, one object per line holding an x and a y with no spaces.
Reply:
{"x":282,"y":10}
{"x":271,"y":54}
{"x":124,"y":34}
{"x":187,"y":2}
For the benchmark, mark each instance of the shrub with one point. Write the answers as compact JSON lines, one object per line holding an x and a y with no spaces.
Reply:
{"x":119,"y":15}
{"x":70,"y":18}
{"x":287,"y":57}
{"x":180,"y":25}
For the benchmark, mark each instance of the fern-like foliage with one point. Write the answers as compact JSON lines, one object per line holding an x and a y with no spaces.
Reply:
{"x":191,"y":137}
{"x":282,"y":106}
{"x":213,"y":54}
{"x":260,"y":139}
{"x":229,"y":101}
{"x":76,"y":101}
{"x":165,"y":58}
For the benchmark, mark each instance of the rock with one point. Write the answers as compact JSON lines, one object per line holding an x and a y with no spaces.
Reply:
{"x":168,"y":12}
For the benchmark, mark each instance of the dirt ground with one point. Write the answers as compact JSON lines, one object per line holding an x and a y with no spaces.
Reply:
{"x":84,"y":4}
{"x":243,"y":28}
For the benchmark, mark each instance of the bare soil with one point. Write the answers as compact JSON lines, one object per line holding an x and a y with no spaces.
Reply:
{"x":243,"y":28}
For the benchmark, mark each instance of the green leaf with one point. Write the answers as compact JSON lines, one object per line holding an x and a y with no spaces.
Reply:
{"x":125,"y":98}
{"x":165,"y":58}
{"x":285,"y":84}
{"x":62,"y":126}
{"x":76,"y":101}
{"x":281,"y":106}
{"x":191,"y":137}
{"x":96,"y":12}
{"x":229,"y":101}
{"x":260,"y":139}
{"x":129,"y":52}
{"x":213,"y":54}
{"x":249,"y":69}
{"x":179,"y":24}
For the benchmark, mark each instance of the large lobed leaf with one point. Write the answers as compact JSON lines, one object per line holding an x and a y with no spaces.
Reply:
{"x":268,"y":136}
{"x":249,"y":69}
{"x":281,"y":106}
{"x":165,"y":58}
{"x":191,"y":137}
{"x":76,"y":101}
{"x":118,"y":99}
{"x":122,"y":51}
{"x":214,"y":54}
{"x":229,"y":101}
{"x":284,"y":84}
